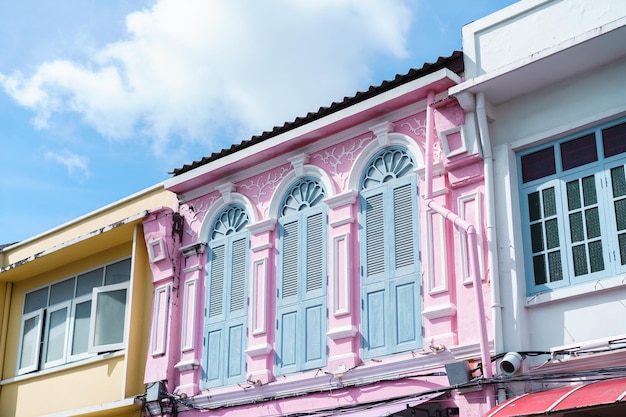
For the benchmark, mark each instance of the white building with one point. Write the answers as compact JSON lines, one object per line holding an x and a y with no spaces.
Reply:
{"x":545,"y":88}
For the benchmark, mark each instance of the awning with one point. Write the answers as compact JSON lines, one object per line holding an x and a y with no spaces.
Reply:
{"x":558,"y":400}
{"x":386,"y":408}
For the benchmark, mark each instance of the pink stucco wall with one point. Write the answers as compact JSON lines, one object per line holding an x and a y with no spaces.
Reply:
{"x":449,"y":317}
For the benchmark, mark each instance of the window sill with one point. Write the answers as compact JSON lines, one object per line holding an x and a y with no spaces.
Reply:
{"x":579,"y":290}
{"x":83,"y":362}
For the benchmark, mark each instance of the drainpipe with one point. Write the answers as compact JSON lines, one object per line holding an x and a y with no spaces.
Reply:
{"x":472,"y":244}
{"x":492,"y":240}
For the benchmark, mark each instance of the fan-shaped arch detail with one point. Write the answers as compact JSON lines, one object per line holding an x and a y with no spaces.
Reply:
{"x":304,"y":194}
{"x":388,"y":165}
{"x":231,"y":220}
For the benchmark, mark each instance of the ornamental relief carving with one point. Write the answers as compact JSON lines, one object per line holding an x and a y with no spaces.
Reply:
{"x":195,"y":211}
{"x":338,"y":159}
{"x":261,"y":188}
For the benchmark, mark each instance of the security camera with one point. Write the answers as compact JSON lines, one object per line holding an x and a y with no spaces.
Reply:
{"x":511,"y":363}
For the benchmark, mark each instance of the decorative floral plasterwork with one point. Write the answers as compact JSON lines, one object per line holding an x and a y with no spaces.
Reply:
{"x":195,"y":211}
{"x":339,"y":155}
{"x":419,"y":132}
{"x":261,"y":187}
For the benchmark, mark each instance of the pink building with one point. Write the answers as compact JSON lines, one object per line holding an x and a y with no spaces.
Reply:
{"x":334,"y":265}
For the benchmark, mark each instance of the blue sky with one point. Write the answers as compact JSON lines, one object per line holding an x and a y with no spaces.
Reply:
{"x":101,"y":99}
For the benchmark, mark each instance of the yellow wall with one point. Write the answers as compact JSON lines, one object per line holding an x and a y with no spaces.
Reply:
{"x":112,"y":233}
{"x":22,"y":287}
{"x":73,"y":388}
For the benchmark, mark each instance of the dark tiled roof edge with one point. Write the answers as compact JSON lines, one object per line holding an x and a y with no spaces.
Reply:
{"x":454,"y":63}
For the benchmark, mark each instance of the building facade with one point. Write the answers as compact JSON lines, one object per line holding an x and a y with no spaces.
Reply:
{"x":550,"y":112}
{"x":333,"y":265}
{"x":69,"y":299}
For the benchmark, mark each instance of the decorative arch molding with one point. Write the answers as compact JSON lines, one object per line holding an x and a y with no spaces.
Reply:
{"x":219,"y":205}
{"x":300,"y":171}
{"x":392,"y":139}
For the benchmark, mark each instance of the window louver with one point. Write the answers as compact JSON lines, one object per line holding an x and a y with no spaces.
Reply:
{"x":375,"y":235}
{"x":403,"y":226}
{"x":238,"y":278}
{"x":314,"y":275}
{"x":217,"y":282}
{"x":290,"y":260}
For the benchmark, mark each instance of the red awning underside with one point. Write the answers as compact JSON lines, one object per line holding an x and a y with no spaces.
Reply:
{"x":589,"y":394}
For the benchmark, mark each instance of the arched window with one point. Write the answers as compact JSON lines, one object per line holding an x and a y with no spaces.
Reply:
{"x":391,"y":277}
{"x":301,"y":286}
{"x":226,"y":298}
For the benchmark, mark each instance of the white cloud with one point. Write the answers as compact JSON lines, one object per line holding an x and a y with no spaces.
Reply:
{"x":77,"y":166}
{"x":191,"y":70}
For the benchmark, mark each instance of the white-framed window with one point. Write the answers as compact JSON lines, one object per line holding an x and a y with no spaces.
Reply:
{"x":75,"y":318}
{"x":573,"y":205}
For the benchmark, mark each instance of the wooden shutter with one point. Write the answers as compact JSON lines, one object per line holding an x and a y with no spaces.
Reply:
{"x":374,"y":235}
{"x":216,"y":283}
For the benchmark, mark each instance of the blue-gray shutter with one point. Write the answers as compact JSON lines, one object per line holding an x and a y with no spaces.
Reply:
{"x":314,"y":299}
{"x":301,"y":317}
{"x":225,"y":329}
{"x":236,"y":322}
{"x":391,"y":279}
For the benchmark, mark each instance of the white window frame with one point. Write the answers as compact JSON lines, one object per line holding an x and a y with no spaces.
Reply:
{"x":45,"y":343}
{"x":601,"y":171}
{"x":83,"y":355}
{"x":92,"y":347}
{"x":37,"y":345}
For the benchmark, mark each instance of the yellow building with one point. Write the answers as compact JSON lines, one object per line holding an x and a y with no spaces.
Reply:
{"x":68,"y":301}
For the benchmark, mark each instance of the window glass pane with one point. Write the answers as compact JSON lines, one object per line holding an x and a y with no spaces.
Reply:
{"x":552,"y":233}
{"x":30,"y":340}
{"x":618,"y":181}
{"x":614,"y":140}
{"x":592,"y":220}
{"x":622,"y":248}
{"x":534,"y":206}
{"x":117,"y":272}
{"x":573,"y":195}
{"x":549,"y":202}
{"x":538,"y":164}
{"x":80,"y":338}
{"x":620,"y":214}
{"x":536,"y":237}
{"x":539,"y":269}
{"x":589,"y":190}
{"x":110,"y":313}
{"x":61,"y":291}
{"x":579,"y":256}
{"x":595,"y":256}
{"x":56,"y":335}
{"x":554,"y":262}
{"x":35,"y":300}
{"x":88,"y":281}
{"x":578,"y":152}
{"x":576,"y":226}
